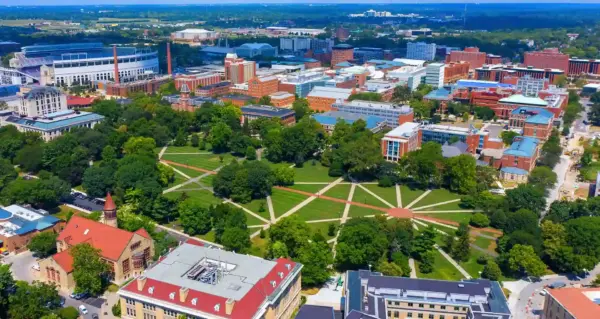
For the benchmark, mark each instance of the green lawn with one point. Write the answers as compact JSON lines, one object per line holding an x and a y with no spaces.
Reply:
{"x":450,"y":206}
{"x":482,"y":242}
{"x":178,"y":180}
{"x":387,"y":193}
{"x":187,"y":171}
{"x":442,"y":269}
{"x":283,"y":201}
{"x":340,"y":191}
{"x":408,"y":195}
{"x":208,"y":161}
{"x":254,"y":206}
{"x":471,"y":265}
{"x":184,"y":149}
{"x":455,"y":217}
{"x":311,"y":188}
{"x":590,"y":172}
{"x":321,"y":209}
{"x":437,"y":196}
{"x":253,"y":221}
{"x":323,"y":228}
{"x":210,"y":236}
{"x":313,"y":173}
{"x":361,"y":196}
{"x":202,"y":197}
{"x":275,"y":165}
{"x":359,"y":211}
{"x":445,"y":229}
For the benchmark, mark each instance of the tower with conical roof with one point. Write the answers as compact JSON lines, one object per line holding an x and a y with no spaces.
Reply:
{"x":110,"y":211}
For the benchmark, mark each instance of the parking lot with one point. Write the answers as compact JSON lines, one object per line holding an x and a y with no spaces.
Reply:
{"x":83,"y":201}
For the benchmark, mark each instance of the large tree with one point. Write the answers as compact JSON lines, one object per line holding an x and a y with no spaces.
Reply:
{"x":43,"y":244}
{"x":542,"y":177}
{"x":460,"y":174}
{"x":526,"y":196}
{"x":360,"y":244}
{"x":292,"y":232}
{"x":316,"y":257}
{"x":97,"y":181}
{"x":6,"y":283}
{"x":33,"y":300}
{"x":89,"y":269}
{"x":524,"y":260}
{"x":194,"y":218}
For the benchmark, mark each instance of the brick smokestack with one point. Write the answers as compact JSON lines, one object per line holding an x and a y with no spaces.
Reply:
{"x":169,"y":69}
{"x":116,"y":61}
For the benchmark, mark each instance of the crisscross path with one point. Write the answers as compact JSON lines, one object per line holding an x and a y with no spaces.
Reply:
{"x":333,"y":199}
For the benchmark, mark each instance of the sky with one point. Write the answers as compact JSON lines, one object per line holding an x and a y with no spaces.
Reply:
{"x":129,"y":2}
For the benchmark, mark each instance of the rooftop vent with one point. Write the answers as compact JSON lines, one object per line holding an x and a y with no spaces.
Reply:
{"x":280,"y":274}
{"x":86,"y":231}
{"x":273,"y":283}
{"x":288,"y":266}
{"x":461,"y":285}
{"x":235,"y":287}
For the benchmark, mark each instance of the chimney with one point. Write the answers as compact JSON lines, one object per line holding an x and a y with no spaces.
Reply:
{"x":116,"y":61}
{"x":141,"y":281}
{"x":169,"y":70}
{"x":229,"y":306}
{"x":183,"y":292}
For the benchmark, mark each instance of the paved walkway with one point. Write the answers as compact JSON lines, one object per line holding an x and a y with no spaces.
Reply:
{"x":197,"y":153}
{"x":314,"y":221}
{"x":190,"y":167}
{"x":306,"y":201}
{"x":271,"y":210}
{"x":418,"y":199}
{"x":453,"y":262}
{"x":473,"y":229}
{"x":246,"y":210}
{"x":398,"y":196}
{"x":413,"y":268}
{"x":376,"y":196}
{"x":437,"y":204}
{"x":447,"y":211}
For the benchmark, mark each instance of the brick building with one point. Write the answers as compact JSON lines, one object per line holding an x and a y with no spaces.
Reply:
{"x":547,"y":59}
{"x":583,"y":66}
{"x":282,"y":99}
{"x":19,"y":224}
{"x":238,"y":70}
{"x":519,"y":159}
{"x":322,"y":98}
{"x":125,"y":89}
{"x":534,"y":121}
{"x":253,"y":112}
{"x":195,"y":80}
{"x":455,"y":71}
{"x":493,"y":59}
{"x":217,"y":89}
{"x":261,"y":86}
{"x":471,"y":55}
{"x":237,"y":99}
{"x":341,"y":53}
{"x":498,"y":72}
{"x":401,"y":140}
{"x":571,"y":303}
{"x":127,"y":253}
{"x":507,"y":105}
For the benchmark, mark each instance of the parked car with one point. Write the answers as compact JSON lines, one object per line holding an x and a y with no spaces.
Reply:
{"x":79,"y":296}
{"x":544,"y":292}
{"x":83,"y":309}
{"x":558,"y":284}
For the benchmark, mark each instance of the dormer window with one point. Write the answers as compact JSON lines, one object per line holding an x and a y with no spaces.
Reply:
{"x":172,"y":296}
{"x":194,"y":301}
{"x":217,"y":307}
{"x":273,"y":283}
{"x":151,"y":290}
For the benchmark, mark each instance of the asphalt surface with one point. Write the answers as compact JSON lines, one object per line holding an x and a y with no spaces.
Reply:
{"x":578,"y":125}
{"x":82,"y":201}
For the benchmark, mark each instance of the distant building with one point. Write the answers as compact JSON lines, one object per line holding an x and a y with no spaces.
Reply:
{"x":493,"y":59}
{"x":238,"y":70}
{"x":302,"y":83}
{"x":455,"y":71}
{"x":148,"y":85}
{"x":401,"y":140}
{"x":411,"y":62}
{"x":508,"y":104}
{"x":498,"y":72}
{"x":322,"y":98}
{"x":519,"y":159}
{"x":329,"y":119}
{"x":254,"y":111}
{"x":262,"y":86}
{"x":547,"y":59}
{"x":193,"y":281}
{"x":341,"y":53}
{"x":194,"y":35}
{"x":18,"y":225}
{"x":420,"y":51}
{"x":342,"y":33}
{"x":382,"y":87}
{"x":434,"y":74}
{"x":364,"y":54}
{"x":411,"y":76}
{"x":583,"y":66}
{"x":455,"y":149}
{"x":571,"y":303}
{"x":322,"y":44}
{"x":393,"y":114}
{"x":195,"y":80}
{"x":185,"y":102}
{"x":282,"y":99}
{"x":590,"y":89}
{"x":534,"y":121}
{"x":250,"y":50}
{"x":237,"y":99}
{"x":471,"y":55}
{"x":372,"y":295}
{"x":295,"y":44}
{"x":217,"y":89}
{"x":530,"y":86}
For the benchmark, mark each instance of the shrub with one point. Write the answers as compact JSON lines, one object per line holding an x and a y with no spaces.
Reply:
{"x":479,"y":220}
{"x":482,"y":259}
{"x":386,"y":181}
{"x":336,"y":169}
{"x":331,"y":230}
{"x":116,"y":309}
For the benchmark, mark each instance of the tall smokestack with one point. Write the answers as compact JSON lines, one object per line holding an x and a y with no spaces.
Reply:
{"x":169,"y":70}
{"x":116,"y":61}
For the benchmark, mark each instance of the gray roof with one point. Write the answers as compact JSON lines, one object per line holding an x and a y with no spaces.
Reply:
{"x":450,"y":287}
{"x":41,"y":90}
{"x":315,"y":312}
{"x":359,"y":315}
{"x":244,"y":271}
{"x":455,"y":149}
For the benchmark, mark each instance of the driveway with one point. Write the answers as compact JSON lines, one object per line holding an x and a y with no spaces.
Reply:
{"x":21,"y":266}
{"x":92,"y":304}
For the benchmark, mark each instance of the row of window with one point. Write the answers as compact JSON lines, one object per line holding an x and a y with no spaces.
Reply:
{"x":431,"y":306}
{"x":102,"y":62}
{"x":148,"y":308}
{"x":396,"y":314}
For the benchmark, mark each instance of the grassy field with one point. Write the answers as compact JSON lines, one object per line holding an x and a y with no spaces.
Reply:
{"x":259,"y":246}
{"x":253,"y":221}
{"x":313,"y":173}
{"x":387,"y":193}
{"x":359,"y":211}
{"x":323,"y":228}
{"x":178,"y":180}
{"x":210,"y":236}
{"x":408,"y":195}
{"x":283,"y":201}
{"x":321,"y":209}
{"x":436,"y":196}
{"x":340,"y":191}
{"x":455,"y":217}
{"x":187,"y":171}
{"x":184,"y":149}
{"x":255,"y":205}
{"x":361,"y":196}
{"x":205,"y":161}
{"x":442,"y":269}
{"x":202,"y":197}
{"x":311,"y":188}
{"x":450,"y":206}
{"x":471,"y":265}
{"x":482,"y":242}
{"x":590,"y":172}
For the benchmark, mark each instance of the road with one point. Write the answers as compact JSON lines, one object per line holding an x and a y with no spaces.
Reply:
{"x":578,"y":125}
{"x":531,"y":291}
{"x":560,"y":169}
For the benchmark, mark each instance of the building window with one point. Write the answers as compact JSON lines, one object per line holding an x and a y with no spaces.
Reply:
{"x":420,"y":315}
{"x":410,"y":304}
{"x":149,"y":306}
{"x":443,"y":307}
{"x":149,"y":316}
{"x":431,"y":306}
{"x":409,"y":315}
{"x":389,"y":313}
{"x":130,"y":301}
{"x":131,"y":312}
{"x":170,"y":313}
{"x":147,"y":253}
{"x":125,"y":266}
{"x":430,"y":316}
{"x":421,"y":305}
{"x":135,"y":245}
{"x":442,"y":317}
{"x":456,"y":308}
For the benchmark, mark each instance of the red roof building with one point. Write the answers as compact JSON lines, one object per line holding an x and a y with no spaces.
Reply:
{"x":75,"y":102}
{"x":197,"y":281}
{"x":572,"y":303}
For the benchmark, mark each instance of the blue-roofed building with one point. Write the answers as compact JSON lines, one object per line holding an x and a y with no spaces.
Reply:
{"x":19,"y":224}
{"x":255,"y":111}
{"x":53,"y":125}
{"x":329,"y":119}
{"x":522,"y":154}
{"x":371,"y":295}
{"x":250,"y":50}
{"x":534,"y":121}
{"x":9,"y":90}
{"x":479,"y":84}
{"x":315,"y":312}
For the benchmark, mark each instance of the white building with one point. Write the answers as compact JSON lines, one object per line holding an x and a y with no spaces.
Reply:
{"x":530,"y":86}
{"x":434,"y":74}
{"x":420,"y":51}
{"x":411,"y":62}
{"x":41,"y":100}
{"x":410,"y":76}
{"x":295,"y":44}
{"x":194,"y":35}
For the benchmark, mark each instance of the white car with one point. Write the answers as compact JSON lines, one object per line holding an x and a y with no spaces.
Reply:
{"x":83,"y":309}
{"x":544,"y":292}
{"x":36,"y":267}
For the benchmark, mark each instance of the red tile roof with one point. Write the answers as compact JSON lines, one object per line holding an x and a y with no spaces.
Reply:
{"x":109,"y":204}
{"x":79,"y":101}
{"x":64,"y":260}
{"x":245,"y":308}
{"x":110,"y":240}
{"x":575,"y":302}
